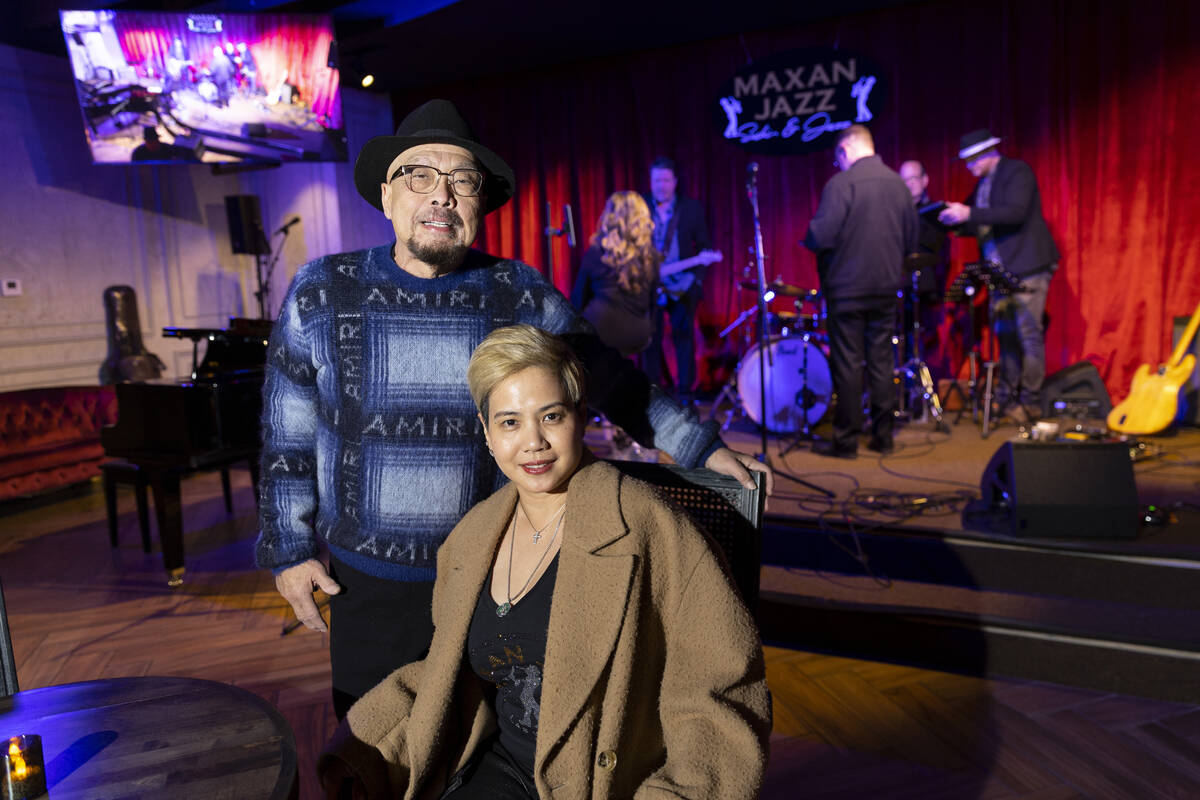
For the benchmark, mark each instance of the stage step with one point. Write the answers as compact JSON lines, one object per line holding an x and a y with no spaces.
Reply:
{"x":1065,"y":612}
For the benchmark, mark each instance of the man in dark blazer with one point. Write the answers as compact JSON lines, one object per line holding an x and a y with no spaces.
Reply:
{"x":864,"y":227}
{"x":680,"y":232}
{"x":1004,"y":212}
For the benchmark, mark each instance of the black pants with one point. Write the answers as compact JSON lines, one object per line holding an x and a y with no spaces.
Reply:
{"x":683,"y":322}
{"x":375,"y":627}
{"x":858,"y":335}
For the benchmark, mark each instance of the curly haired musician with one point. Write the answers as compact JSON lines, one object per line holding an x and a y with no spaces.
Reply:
{"x":614,"y":289}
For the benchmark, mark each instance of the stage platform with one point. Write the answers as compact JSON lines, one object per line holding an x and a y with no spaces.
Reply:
{"x":887,"y":568}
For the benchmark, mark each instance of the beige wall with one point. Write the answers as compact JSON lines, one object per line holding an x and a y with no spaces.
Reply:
{"x":69,"y":229}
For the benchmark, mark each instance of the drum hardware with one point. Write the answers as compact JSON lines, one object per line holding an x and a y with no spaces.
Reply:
{"x":778,"y":287}
{"x":815,"y":395}
{"x":915,"y":369}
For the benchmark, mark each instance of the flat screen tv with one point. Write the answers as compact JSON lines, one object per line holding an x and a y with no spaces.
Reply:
{"x":181,"y":87}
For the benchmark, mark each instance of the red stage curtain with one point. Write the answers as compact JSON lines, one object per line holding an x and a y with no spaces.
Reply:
{"x":1099,"y":98}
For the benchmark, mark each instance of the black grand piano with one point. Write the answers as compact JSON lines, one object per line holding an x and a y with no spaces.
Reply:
{"x":209,"y":421}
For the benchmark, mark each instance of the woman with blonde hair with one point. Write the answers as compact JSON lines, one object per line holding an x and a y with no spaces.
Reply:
{"x":588,"y":643}
{"x":617,"y":280}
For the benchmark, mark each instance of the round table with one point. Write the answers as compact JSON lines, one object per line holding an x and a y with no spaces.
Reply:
{"x":152,"y":737}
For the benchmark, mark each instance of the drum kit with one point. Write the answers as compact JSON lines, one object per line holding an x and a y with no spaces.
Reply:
{"x":796,"y":379}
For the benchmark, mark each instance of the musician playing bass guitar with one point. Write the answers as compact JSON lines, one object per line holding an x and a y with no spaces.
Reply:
{"x":680,"y":233}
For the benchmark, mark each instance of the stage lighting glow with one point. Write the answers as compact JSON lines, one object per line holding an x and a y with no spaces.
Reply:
{"x":367,"y":80}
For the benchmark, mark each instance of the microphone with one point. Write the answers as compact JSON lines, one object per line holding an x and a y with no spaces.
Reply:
{"x":569,"y":224}
{"x":287,"y":225}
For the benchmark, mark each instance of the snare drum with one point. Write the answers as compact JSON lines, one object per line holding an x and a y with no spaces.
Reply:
{"x":798,"y":381}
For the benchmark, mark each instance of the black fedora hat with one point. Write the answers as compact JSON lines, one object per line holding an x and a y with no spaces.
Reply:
{"x":435,"y":122}
{"x":975,"y":142}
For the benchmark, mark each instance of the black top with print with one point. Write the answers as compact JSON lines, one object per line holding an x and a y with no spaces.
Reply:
{"x":509,"y":653}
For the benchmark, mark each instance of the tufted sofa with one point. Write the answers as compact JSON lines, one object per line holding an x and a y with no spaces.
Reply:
{"x":51,"y":437}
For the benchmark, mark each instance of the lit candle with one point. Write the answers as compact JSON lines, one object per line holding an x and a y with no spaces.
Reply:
{"x":24,"y":770}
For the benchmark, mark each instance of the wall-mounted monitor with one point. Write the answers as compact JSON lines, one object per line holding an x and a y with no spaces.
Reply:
{"x":182,"y":87}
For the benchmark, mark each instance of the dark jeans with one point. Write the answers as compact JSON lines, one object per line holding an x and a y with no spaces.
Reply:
{"x":1022,"y":337}
{"x":683,"y":322}
{"x":375,"y":627}
{"x":858,"y":335}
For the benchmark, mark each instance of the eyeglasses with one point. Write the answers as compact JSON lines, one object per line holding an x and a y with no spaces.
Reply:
{"x":423,"y":180}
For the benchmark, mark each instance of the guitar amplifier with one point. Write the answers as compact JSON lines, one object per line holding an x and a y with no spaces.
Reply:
{"x":1189,"y":395}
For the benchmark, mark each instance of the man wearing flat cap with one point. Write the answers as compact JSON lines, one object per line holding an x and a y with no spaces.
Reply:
{"x":1004,"y":212}
{"x":370,"y":436}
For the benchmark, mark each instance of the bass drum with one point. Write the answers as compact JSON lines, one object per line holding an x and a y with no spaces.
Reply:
{"x":798,"y":384}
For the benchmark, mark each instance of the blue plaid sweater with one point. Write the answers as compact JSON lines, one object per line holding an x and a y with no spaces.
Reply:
{"x":370,"y":437}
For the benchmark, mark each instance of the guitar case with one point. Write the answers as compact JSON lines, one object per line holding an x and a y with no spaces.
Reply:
{"x":128,"y":360}
{"x":1076,"y":391}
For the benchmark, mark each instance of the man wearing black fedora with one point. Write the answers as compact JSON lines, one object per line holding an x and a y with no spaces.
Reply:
{"x":370,"y":437}
{"x":1004,"y":212}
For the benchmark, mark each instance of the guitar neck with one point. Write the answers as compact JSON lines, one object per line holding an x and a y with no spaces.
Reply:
{"x":679,"y":266}
{"x":1185,"y":341}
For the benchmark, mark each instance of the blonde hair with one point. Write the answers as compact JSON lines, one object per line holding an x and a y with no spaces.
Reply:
{"x":625,"y":237}
{"x":507,"y":351}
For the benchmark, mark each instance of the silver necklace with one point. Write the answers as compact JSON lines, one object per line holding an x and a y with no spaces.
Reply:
{"x":506,"y":606}
{"x":537,"y":534}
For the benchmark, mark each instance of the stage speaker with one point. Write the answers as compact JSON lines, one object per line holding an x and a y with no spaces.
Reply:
{"x":245,"y":224}
{"x":1076,"y":391}
{"x":1189,"y":394}
{"x":1061,"y":490}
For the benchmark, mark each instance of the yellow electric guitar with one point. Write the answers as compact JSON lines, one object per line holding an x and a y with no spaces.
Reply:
{"x":1154,"y":396}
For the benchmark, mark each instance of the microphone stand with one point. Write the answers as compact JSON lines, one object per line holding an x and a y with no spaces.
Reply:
{"x":760,"y":260}
{"x":264,"y":281}
{"x":761,"y":273}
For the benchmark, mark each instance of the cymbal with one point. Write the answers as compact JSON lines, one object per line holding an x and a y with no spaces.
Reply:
{"x":780,"y":288}
{"x":915,"y":261}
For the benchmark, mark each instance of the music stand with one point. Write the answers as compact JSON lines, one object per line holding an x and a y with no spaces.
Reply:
{"x":999,"y":282}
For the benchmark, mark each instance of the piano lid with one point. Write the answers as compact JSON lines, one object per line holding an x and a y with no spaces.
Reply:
{"x":239,"y":349}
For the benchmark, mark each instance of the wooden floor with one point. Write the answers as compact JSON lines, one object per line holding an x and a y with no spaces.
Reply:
{"x":843,"y":728}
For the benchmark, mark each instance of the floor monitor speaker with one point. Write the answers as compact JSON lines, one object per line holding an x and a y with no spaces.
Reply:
{"x":1076,"y":391}
{"x":245,"y":224}
{"x":1062,"y":490}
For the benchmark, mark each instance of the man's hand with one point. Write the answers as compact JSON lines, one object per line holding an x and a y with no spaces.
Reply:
{"x":739,"y":465}
{"x":296,"y":585}
{"x":954,"y":214}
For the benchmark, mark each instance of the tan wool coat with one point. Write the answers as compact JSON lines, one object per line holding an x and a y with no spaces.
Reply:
{"x":654,"y":683}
